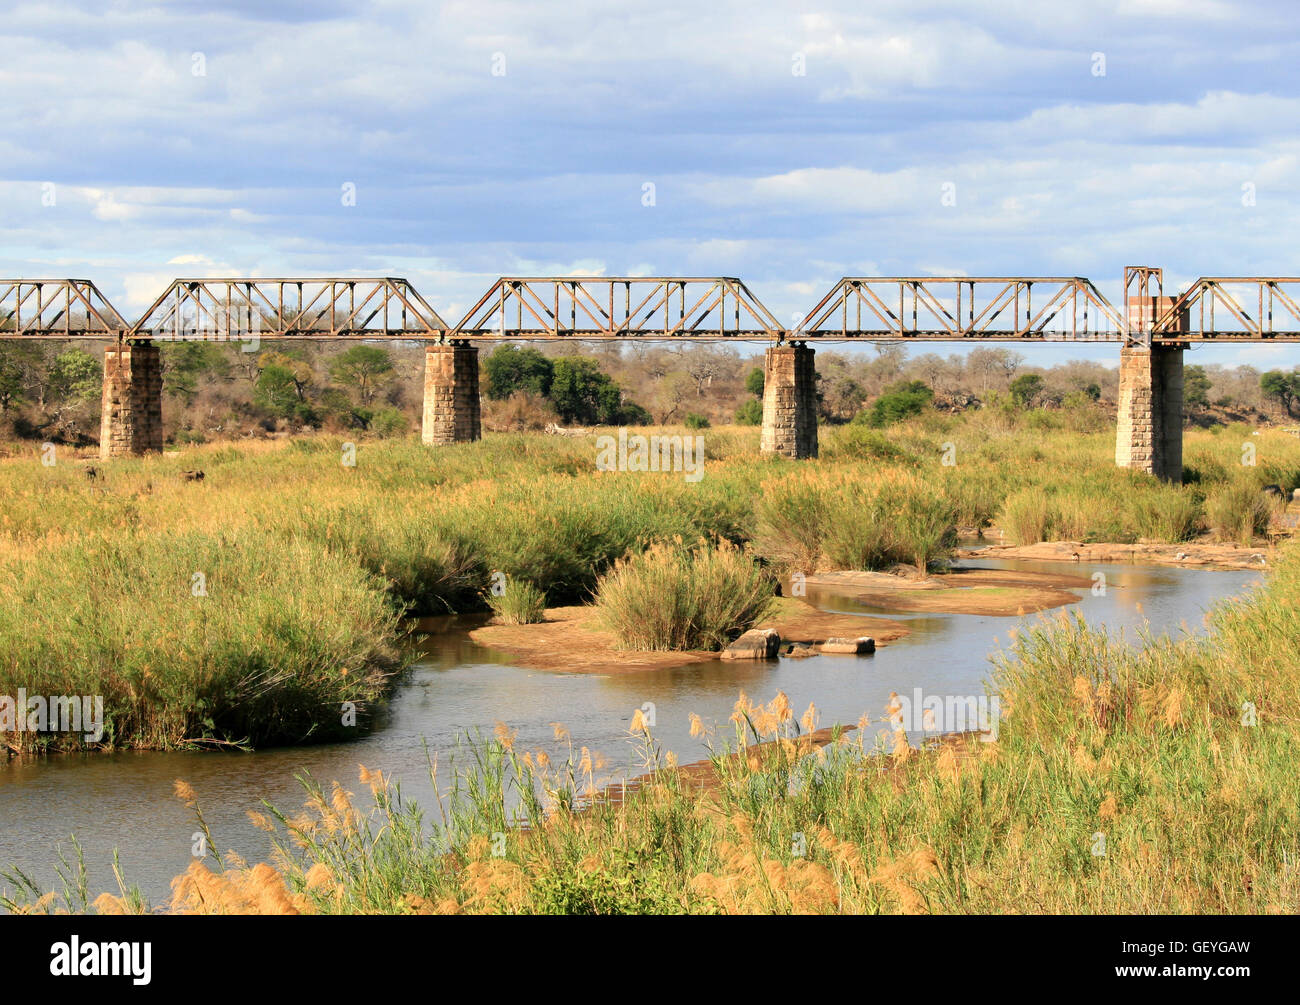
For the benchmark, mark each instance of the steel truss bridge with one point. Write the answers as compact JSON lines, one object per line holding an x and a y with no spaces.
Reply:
{"x":869,"y":308}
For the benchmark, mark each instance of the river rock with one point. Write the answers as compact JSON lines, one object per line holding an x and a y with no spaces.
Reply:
{"x":851,"y":647}
{"x":755,"y":644}
{"x":800,"y":650}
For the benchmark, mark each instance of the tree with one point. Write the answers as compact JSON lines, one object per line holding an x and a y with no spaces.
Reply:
{"x":755,"y":381}
{"x":1026,"y":389}
{"x":276,"y":391}
{"x":299,"y":370}
{"x":750,"y":413}
{"x":1196,"y":387}
{"x":992,"y":364}
{"x":364,"y":367}
{"x":1281,"y":387}
{"x":185,"y":364}
{"x":901,"y":400}
{"x":582,"y":392}
{"x":512,"y":368}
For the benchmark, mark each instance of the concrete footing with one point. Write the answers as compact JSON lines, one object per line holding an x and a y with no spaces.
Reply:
{"x":790,"y":402}
{"x":451,"y":395}
{"x":1149,"y":434}
{"x":131,"y":416}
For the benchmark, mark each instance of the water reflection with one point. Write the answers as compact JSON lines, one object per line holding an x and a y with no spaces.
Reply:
{"x":125,"y":800}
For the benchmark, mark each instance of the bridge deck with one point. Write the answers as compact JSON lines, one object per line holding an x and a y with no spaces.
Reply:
{"x":718,"y":308}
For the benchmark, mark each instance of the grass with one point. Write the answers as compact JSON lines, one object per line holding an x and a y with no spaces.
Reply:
{"x":518,"y":603}
{"x":1125,"y":779}
{"x":672,"y":597}
{"x":337,"y":553}
{"x":189,"y":638}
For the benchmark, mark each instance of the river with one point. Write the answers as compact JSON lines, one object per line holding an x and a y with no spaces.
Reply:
{"x":125,"y":800}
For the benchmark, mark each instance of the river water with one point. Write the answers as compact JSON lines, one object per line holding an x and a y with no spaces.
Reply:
{"x":125,"y":800}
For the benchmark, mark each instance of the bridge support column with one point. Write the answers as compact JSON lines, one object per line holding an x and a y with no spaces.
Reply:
{"x":451,"y":397}
{"x":1150,"y":432}
{"x":790,"y":402}
{"x":131,"y":415}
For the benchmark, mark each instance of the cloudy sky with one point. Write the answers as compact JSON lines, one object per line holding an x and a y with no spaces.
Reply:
{"x":788,"y":144}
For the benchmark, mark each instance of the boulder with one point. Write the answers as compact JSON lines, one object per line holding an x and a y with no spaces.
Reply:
{"x":851,"y":647}
{"x":800,"y":650}
{"x":755,"y":644}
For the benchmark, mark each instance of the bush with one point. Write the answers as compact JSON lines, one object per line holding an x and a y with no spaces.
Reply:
{"x":694,"y":420}
{"x":1238,"y":512}
{"x":282,"y":634}
{"x":388,"y":422}
{"x":1027,"y":517}
{"x":674,"y":598}
{"x":900,"y":401}
{"x":521,"y":603}
{"x":750,"y":413}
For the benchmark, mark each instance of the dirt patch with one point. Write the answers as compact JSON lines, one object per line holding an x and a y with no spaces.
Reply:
{"x":996,"y":592}
{"x":1192,"y":555}
{"x":569,"y":639}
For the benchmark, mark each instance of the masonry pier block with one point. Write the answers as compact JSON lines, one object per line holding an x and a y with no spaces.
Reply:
{"x":790,"y":402}
{"x":131,"y":415}
{"x":1149,"y":436}
{"x":451,"y":398}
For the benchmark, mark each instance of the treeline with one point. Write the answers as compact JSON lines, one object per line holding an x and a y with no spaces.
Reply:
{"x":52,"y":390}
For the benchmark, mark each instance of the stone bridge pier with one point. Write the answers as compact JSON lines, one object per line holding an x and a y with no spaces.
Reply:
{"x":789,"y":401}
{"x":451,"y":394}
{"x":1149,"y":436}
{"x":131,"y":414}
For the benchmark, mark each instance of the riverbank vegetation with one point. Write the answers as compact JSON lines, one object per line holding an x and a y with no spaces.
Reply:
{"x":1123,"y":779}
{"x":311,"y":549}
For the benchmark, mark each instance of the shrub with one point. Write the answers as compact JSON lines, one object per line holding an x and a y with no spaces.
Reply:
{"x":694,"y":420}
{"x":520,"y":603}
{"x":1237,"y":512}
{"x":750,"y":413}
{"x":1169,"y":514}
{"x":901,"y":400}
{"x":281,"y":635}
{"x":1027,"y":517}
{"x":388,"y":422}
{"x":672,"y":598}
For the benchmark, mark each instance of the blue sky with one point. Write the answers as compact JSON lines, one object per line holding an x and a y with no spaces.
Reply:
{"x":490,"y":138}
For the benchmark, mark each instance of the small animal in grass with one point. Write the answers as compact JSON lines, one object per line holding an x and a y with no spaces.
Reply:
{"x":92,"y":472}
{"x":192,"y":476}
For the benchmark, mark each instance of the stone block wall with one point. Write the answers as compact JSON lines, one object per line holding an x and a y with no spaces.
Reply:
{"x":790,"y":402}
{"x":1149,"y":433}
{"x":131,"y":415}
{"x":451,"y":395}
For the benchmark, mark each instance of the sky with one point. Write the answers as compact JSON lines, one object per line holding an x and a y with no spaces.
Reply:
{"x":787,"y":144}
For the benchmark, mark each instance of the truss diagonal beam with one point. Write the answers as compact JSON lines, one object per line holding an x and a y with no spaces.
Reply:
{"x":608,"y":307}
{"x":330,"y":308}
{"x":56,"y":308}
{"x":962,"y":307}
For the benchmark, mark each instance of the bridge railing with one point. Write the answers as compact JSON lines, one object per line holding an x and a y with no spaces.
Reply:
{"x":331,"y":308}
{"x":596,"y":307}
{"x":66,"y":308}
{"x":959,"y":307}
{"x":1249,"y":308}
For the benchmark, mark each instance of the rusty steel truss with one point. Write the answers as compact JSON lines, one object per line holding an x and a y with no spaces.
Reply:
{"x":239,"y":309}
{"x":66,"y":308}
{"x":556,"y":307}
{"x":962,"y":307}
{"x":1254,"y":309}
{"x":949,"y":308}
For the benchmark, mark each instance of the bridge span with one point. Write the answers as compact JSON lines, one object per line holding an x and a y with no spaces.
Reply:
{"x":1152,"y":330}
